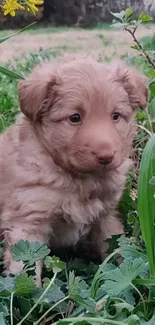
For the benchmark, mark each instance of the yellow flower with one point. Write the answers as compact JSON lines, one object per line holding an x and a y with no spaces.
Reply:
{"x":10,"y":6}
{"x":31,"y":5}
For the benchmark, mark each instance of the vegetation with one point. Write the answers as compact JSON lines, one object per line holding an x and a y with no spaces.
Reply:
{"x":75,"y":292}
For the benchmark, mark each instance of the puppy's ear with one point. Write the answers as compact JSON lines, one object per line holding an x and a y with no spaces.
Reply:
{"x":34,"y":93}
{"x":135,"y":84}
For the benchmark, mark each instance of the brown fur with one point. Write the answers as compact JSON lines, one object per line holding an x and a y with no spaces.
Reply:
{"x":55,"y":186}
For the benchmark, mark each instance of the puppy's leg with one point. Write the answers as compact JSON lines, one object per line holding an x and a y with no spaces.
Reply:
{"x":102,"y":230}
{"x":26,"y":232}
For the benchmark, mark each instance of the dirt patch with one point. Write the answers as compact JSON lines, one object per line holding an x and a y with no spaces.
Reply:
{"x":93,"y":43}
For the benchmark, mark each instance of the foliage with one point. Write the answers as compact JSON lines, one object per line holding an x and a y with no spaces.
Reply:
{"x":121,"y":289}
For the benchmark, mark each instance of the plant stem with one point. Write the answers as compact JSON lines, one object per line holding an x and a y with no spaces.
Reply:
{"x":141,"y":297}
{"x":132,"y":33}
{"x":51,"y":308}
{"x":11,"y":308}
{"x":91,"y":320}
{"x":40,"y":298}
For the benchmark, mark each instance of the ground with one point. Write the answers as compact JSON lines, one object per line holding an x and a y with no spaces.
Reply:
{"x":73,"y":43}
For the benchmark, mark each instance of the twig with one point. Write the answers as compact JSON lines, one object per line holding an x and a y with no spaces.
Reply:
{"x":132,"y":33}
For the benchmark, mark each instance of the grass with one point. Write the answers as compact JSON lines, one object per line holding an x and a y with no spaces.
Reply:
{"x":78,"y":292}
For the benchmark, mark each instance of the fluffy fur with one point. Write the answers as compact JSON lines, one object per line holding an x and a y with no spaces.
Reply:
{"x":61,"y":181}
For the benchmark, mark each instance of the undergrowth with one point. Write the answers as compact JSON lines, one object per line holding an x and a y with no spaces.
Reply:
{"x":121,"y":289}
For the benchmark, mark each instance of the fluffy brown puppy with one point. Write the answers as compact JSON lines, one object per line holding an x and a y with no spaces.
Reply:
{"x":63,"y":164}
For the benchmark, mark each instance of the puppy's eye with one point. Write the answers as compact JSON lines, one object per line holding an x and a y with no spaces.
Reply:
{"x":75,"y":118}
{"x":116,"y":116}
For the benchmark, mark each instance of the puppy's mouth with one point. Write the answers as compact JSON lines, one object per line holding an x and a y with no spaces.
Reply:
{"x":94,"y":168}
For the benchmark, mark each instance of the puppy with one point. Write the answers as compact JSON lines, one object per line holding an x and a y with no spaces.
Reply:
{"x":63,"y":165}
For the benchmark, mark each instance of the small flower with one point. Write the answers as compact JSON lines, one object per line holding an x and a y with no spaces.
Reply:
{"x":10,"y":7}
{"x":31,"y":5}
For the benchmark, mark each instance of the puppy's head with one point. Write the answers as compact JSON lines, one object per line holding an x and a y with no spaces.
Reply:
{"x":84,"y":112}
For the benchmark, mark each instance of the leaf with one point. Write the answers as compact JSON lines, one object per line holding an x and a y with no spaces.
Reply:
{"x":119,"y":15}
{"x":2,"y":319}
{"x":151,"y":321}
{"x":133,"y":320}
{"x":143,"y":17}
{"x":117,"y":25}
{"x":24,"y":285}
{"x":29,"y":252}
{"x":4,"y":309}
{"x":123,"y":305}
{"x":128,"y":12}
{"x":135,"y":47}
{"x":3,"y":39}
{"x":146,"y":201}
{"x":25,"y":305}
{"x":152,"y":181}
{"x":54,"y":264}
{"x":120,"y":279}
{"x":10,"y":73}
{"x":53,"y":295}
{"x":6,"y":286}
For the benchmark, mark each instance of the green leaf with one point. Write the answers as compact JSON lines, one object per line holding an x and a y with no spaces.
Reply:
{"x":146,"y":201}
{"x":133,"y":320}
{"x":135,"y":47}
{"x":143,"y":17}
{"x":119,"y":15}
{"x":3,"y":39}
{"x":152,"y":181}
{"x":10,"y":73}
{"x":53,"y":295}
{"x":24,"y":285}
{"x":54,"y":264}
{"x":2,"y":319}
{"x":29,"y":252}
{"x":6,"y":286}
{"x":25,"y":305}
{"x":4,"y":309}
{"x":128,"y":12}
{"x":120,"y":279}
{"x":117,"y":25}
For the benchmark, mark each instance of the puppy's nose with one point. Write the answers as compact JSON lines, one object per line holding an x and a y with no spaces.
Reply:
{"x":105,"y":158}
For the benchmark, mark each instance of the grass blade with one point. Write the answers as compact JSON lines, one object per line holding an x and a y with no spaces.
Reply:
{"x":10,"y":73}
{"x":146,"y":201}
{"x":3,"y":39}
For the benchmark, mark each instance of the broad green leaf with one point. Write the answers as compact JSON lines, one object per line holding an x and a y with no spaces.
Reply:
{"x":24,"y":285}
{"x":3,"y":39}
{"x":128,"y":12}
{"x":29,"y":252}
{"x":120,"y":279}
{"x":2,"y":319}
{"x":117,"y":25}
{"x":143,"y":17}
{"x":133,"y":320}
{"x":4,"y":309}
{"x":151,"y":321}
{"x":53,"y":295}
{"x":119,"y":15}
{"x":10,"y":73}
{"x":6,"y":286}
{"x":146,"y":201}
{"x":54,"y":264}
{"x":25,"y":305}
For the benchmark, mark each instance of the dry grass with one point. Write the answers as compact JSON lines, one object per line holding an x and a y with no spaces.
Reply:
{"x":77,"y":43}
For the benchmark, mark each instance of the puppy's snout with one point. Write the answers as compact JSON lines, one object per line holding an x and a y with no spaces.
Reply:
{"x":105,"y":158}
